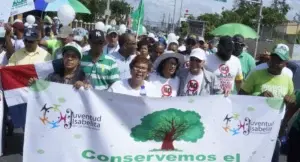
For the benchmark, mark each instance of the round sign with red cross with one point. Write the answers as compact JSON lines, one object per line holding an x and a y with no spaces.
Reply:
{"x":166,"y":90}
{"x":193,"y":85}
{"x":224,"y":69}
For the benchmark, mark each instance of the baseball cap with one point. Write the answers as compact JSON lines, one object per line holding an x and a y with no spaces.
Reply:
{"x":65,"y":32}
{"x":31,"y":34}
{"x":112,"y":30}
{"x":97,"y":36}
{"x":79,"y":34}
{"x":201,"y":39}
{"x":238,"y":39}
{"x":192,"y":40}
{"x":282,"y":51}
{"x":74,"y":47}
{"x":18,"y":25}
{"x":199,"y":54}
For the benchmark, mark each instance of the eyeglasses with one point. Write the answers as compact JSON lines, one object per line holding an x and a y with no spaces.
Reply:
{"x":142,"y":69}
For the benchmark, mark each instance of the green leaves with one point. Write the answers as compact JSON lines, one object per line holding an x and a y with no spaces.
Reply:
{"x":183,"y":125}
{"x":97,"y":8}
{"x":246,"y":13}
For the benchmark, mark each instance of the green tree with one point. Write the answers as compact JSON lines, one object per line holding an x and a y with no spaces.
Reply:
{"x":97,"y":8}
{"x":212,"y":21}
{"x":168,"y":126}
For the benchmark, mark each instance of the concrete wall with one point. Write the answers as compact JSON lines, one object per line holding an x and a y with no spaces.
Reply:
{"x":262,"y":45}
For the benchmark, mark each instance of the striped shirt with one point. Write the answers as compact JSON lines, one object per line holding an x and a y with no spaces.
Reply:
{"x":101,"y":74}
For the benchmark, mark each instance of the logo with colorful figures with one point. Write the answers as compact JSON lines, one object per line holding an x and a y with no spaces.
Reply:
{"x":55,"y":117}
{"x":234,"y":124}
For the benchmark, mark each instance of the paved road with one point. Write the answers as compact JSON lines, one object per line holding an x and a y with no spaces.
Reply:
{"x":15,"y":145}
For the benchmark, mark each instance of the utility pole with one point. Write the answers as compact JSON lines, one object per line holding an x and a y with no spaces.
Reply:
{"x":107,"y":11}
{"x":169,"y":21}
{"x":163,"y":20}
{"x":181,"y":9}
{"x":260,"y":16}
{"x":258,"y":27}
{"x":173,"y":22}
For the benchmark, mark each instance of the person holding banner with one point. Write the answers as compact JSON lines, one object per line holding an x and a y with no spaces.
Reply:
{"x":272,"y":82}
{"x":196,"y":80}
{"x":164,"y":78}
{"x":140,"y":67}
{"x":70,"y":72}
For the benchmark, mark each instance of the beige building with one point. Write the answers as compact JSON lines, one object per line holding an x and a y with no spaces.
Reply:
{"x":289,"y":28}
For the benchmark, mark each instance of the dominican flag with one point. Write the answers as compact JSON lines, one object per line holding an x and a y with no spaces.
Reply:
{"x":14,"y":81}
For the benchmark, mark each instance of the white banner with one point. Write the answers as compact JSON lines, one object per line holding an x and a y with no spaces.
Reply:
{"x":21,"y":6}
{"x":4,"y":14}
{"x":66,"y":125}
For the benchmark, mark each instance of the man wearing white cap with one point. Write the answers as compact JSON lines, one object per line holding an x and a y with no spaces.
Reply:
{"x":196,"y":80}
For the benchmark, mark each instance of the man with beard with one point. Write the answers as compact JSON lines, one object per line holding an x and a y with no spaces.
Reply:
{"x":126,"y":54}
{"x":225,"y":66}
{"x":247,"y":61}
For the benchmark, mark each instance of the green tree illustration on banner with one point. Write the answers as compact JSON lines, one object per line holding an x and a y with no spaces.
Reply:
{"x":169,"y":125}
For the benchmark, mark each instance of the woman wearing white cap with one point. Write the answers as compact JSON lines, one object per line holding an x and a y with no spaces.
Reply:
{"x":164,"y":78}
{"x":195,"y":80}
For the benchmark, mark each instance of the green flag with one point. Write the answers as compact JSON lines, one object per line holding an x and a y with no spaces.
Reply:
{"x":138,"y":18}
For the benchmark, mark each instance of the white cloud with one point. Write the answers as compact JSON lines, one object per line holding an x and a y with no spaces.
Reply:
{"x":154,"y":9}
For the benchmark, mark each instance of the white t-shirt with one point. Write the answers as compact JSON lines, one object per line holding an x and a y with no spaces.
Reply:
{"x":108,"y":50}
{"x":123,"y":87}
{"x":17,"y":44}
{"x":262,"y":66}
{"x":3,"y":59}
{"x":123,"y":64}
{"x":86,"y":48}
{"x":192,"y":84}
{"x":165,"y":87}
{"x":182,"y":48}
{"x":186,"y":61}
{"x":226,"y":71}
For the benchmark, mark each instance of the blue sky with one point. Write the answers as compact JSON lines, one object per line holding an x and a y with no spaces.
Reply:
{"x":154,"y":9}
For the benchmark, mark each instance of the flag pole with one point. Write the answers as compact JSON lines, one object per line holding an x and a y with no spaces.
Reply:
{"x":137,"y":32}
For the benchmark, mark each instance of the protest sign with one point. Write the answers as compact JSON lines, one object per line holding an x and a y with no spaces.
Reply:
{"x":67,"y":125}
{"x":4,"y":15}
{"x":21,"y":6}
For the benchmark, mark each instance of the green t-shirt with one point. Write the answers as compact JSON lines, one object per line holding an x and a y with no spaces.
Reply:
{"x":247,"y":62}
{"x":102,"y":73}
{"x":54,"y":45}
{"x":261,"y":80}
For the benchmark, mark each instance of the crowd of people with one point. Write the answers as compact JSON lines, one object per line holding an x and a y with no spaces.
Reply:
{"x":152,"y":66}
